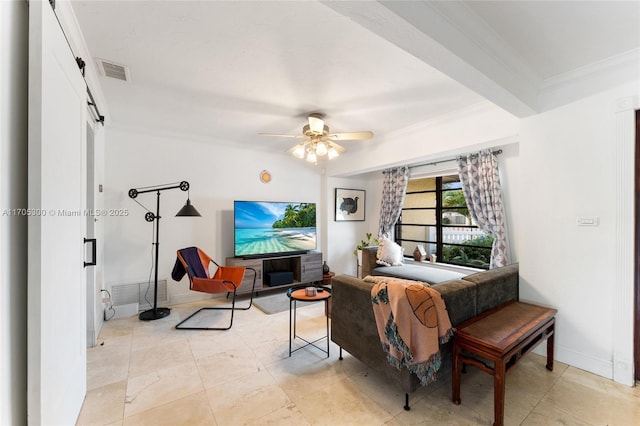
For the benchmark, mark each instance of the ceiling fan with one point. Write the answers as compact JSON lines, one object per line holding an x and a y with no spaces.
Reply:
{"x":318,"y":141}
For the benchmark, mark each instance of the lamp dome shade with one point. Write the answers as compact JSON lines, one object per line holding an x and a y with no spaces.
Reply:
{"x":188,"y":210}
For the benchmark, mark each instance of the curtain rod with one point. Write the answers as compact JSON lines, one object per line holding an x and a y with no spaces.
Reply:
{"x":433,"y":163}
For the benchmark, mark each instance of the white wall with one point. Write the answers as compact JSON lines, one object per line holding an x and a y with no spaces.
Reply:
{"x":568,"y":170}
{"x":345,"y":236}
{"x":219,"y":173}
{"x":481,"y":126}
{"x":13,"y":195}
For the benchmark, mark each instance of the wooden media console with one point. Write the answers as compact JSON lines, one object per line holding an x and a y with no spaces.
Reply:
{"x":305,"y":269}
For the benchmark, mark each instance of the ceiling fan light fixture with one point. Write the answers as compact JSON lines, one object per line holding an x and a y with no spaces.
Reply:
{"x":316,"y":123}
{"x":318,"y":141}
{"x":298,"y":152}
{"x":332,"y":153}
{"x":321,"y":149}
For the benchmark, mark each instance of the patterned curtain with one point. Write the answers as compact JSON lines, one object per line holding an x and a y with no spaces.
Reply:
{"x":480,"y":180}
{"x":393,"y":191}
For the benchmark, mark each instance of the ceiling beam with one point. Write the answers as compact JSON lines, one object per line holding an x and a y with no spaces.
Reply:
{"x":451,"y":38}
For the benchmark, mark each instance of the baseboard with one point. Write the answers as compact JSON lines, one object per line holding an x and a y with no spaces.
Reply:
{"x":123,"y":311}
{"x":594,"y":365}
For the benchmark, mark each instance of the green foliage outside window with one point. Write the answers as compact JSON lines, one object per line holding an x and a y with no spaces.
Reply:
{"x":456,"y":200}
{"x":467,"y":255}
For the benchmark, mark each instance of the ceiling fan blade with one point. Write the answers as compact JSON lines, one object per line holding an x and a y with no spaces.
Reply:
{"x":338,"y":148}
{"x":316,"y":123}
{"x":346,"y":136}
{"x":282,"y":136}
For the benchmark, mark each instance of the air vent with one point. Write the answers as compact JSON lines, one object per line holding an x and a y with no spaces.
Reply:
{"x":113,"y":70}
{"x":140,"y":293}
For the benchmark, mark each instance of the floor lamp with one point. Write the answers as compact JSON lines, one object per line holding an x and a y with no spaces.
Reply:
{"x":186,"y":210}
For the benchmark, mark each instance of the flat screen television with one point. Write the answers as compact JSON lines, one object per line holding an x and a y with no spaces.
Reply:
{"x":263,"y":228}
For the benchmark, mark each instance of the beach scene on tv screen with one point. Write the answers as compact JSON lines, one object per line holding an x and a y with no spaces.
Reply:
{"x":274,"y":227}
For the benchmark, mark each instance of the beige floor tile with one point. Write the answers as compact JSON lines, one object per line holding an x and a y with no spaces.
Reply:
{"x":611,"y":388}
{"x":284,"y":416}
{"x":546,"y":414}
{"x":303,"y":373}
{"x":106,"y":371}
{"x":594,"y":404}
{"x":204,"y":344}
{"x":108,"y":362}
{"x":161,"y":387}
{"x":165,"y":354}
{"x":148,"y":335}
{"x":476,"y":393}
{"x":387,"y":395}
{"x":118,"y":327}
{"x":228,"y":366}
{"x":437,"y":409}
{"x":103,"y":405}
{"x":110,"y":346}
{"x":250,"y":399}
{"x":191,"y":410}
{"x":149,"y":372}
{"x":341,"y":403}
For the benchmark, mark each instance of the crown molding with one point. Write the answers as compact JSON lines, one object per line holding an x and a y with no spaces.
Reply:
{"x":589,"y":79}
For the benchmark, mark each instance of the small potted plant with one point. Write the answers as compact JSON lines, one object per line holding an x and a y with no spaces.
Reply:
{"x":367,"y":242}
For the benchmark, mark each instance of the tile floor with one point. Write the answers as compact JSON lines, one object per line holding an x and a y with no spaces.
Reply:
{"x":149,"y":373}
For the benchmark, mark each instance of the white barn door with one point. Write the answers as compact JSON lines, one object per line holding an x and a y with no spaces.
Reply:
{"x":56,"y":359}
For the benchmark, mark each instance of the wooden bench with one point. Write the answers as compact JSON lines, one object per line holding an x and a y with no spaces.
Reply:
{"x":502,"y":335}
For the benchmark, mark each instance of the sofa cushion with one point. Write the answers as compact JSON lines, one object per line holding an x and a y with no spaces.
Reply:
{"x":425,"y":273}
{"x":389,"y":253}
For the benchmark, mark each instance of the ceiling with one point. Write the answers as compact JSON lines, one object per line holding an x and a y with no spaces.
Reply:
{"x":226,"y":71}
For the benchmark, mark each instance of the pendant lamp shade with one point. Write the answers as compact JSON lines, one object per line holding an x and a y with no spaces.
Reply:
{"x":188,"y":210}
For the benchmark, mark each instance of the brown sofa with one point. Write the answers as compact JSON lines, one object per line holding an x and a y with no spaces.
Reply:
{"x":353,"y":325}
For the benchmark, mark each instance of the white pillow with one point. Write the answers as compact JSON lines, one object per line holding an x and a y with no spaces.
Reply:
{"x":389,"y":253}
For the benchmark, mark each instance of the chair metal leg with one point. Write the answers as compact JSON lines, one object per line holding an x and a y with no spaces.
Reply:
{"x":232,"y":308}
{"x":253,"y":287}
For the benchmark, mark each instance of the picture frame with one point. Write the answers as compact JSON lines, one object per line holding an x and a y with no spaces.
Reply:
{"x":349,"y":204}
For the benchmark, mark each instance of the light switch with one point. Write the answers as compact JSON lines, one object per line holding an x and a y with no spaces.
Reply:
{"x":588,"y":221}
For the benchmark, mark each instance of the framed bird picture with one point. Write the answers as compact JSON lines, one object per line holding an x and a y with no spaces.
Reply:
{"x":350,"y":204}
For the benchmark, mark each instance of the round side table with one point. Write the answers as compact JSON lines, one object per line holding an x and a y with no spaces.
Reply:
{"x":299,"y":295}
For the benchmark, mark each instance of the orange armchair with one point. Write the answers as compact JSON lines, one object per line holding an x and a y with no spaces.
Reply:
{"x":226,"y":279}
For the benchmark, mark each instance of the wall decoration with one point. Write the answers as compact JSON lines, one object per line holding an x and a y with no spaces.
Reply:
{"x":265,"y":176}
{"x":350,"y":204}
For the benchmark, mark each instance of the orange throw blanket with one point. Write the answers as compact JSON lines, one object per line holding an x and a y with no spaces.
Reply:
{"x":412,"y":321}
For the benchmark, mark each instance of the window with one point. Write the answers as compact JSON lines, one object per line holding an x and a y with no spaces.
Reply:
{"x":435,"y":214}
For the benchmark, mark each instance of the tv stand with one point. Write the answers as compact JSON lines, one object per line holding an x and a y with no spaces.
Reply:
{"x":306,"y":269}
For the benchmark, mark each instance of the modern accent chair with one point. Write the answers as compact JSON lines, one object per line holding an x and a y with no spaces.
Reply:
{"x":226,"y":279}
